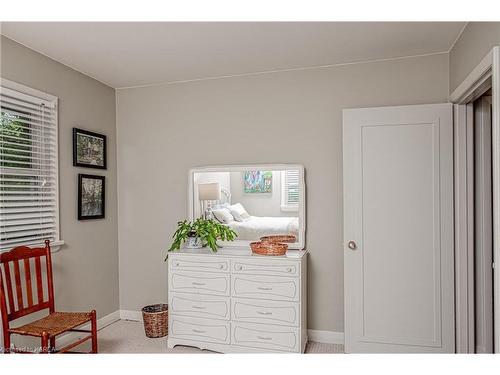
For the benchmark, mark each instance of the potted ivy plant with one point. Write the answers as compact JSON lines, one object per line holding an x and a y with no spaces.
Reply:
{"x":201,"y":233}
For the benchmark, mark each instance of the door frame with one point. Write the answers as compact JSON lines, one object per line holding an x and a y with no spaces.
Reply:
{"x":483,"y":227}
{"x":485,"y":75}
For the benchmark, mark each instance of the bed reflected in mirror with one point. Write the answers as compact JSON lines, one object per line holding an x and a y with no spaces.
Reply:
{"x":254,"y":200}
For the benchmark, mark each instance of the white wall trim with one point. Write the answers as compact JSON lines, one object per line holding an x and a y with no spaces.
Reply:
{"x":464,"y":229}
{"x":495,"y":123}
{"x":280,"y":70}
{"x":101,"y":323}
{"x":326,"y":337}
{"x":131,"y":315}
{"x":470,"y":88}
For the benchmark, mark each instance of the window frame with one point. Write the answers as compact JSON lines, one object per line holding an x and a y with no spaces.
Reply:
{"x":285,"y":206}
{"x":23,"y":91}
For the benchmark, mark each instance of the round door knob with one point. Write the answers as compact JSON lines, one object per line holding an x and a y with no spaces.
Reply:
{"x":289,"y":269}
{"x":352,"y":245}
{"x":221,"y":266}
{"x":239,"y":268}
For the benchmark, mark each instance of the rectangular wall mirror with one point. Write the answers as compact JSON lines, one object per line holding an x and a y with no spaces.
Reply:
{"x":254,"y":200}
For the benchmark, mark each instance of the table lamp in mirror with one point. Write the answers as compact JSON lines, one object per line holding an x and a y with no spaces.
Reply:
{"x":207,"y":193}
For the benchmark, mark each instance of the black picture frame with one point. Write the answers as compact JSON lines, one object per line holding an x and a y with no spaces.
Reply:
{"x":81,"y":214}
{"x":76,"y":162}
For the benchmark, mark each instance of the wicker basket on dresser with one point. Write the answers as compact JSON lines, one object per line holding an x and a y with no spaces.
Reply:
{"x":236,"y":302}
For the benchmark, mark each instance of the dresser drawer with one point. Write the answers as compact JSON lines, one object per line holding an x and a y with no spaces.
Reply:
{"x":193,"y":263}
{"x":208,"y":330}
{"x":265,"y":287}
{"x":267,"y":312}
{"x":265,"y":336}
{"x":199,"y":305}
{"x":199,"y":282}
{"x":270,"y":267}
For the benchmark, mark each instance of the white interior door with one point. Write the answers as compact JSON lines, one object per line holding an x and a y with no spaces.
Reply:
{"x":398,"y":229}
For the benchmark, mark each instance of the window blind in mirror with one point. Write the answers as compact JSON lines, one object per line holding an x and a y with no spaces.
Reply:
{"x":290,"y":197}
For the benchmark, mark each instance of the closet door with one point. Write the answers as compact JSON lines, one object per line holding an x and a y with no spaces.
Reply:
{"x":398,"y":229}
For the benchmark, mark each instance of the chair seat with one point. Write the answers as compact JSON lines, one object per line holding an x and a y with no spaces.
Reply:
{"x":54,"y":324}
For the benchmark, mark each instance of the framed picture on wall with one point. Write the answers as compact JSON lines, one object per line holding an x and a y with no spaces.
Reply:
{"x":258,"y":182}
{"x":89,"y":149}
{"x":91,"y":197}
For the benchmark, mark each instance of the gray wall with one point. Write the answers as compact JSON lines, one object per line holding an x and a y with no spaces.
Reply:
{"x":163,"y":131}
{"x":475,"y":42}
{"x":86,"y":267}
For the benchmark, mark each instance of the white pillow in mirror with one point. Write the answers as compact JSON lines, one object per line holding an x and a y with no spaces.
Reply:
{"x":239,"y":213}
{"x":223,"y":215}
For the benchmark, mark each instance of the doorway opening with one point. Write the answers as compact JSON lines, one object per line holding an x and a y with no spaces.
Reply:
{"x":482,"y":217}
{"x":477,"y":207}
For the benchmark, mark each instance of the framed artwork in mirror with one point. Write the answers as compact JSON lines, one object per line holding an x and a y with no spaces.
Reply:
{"x":89,"y":149}
{"x":258,"y":181}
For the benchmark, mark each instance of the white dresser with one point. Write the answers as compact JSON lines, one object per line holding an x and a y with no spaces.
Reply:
{"x":236,"y":302}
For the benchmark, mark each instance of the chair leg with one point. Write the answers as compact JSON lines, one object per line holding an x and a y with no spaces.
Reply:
{"x":45,"y":343}
{"x":6,"y":342}
{"x":52,"y":348}
{"x":94,"y":331}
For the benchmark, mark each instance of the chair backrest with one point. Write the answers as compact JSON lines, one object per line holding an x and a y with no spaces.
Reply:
{"x":12,"y":282}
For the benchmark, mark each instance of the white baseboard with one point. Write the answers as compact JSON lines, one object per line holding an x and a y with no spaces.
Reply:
{"x":131,"y":315}
{"x":326,"y":337}
{"x":101,"y":323}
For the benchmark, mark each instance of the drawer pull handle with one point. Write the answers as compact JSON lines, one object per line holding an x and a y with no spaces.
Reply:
{"x":221,"y":266}
{"x":264,"y":288}
{"x":198,"y":331}
{"x":176,"y":264}
{"x":264,"y":338}
{"x":289,"y":269}
{"x":239,"y":268}
{"x":264,"y":312}
{"x":198,"y":284}
{"x":199,"y":307}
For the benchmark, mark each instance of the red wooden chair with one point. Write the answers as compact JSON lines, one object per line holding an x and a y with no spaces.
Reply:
{"x":11,"y":309}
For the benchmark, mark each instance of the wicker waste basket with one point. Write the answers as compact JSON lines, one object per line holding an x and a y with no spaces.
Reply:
{"x":155,"y":319}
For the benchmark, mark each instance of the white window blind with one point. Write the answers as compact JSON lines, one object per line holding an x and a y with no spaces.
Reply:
{"x":29,"y":212}
{"x":290,"y":190}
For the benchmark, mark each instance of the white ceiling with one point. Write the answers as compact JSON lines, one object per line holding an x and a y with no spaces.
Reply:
{"x":134,"y":54}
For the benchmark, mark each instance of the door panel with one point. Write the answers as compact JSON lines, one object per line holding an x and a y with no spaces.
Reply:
{"x":398,"y":191}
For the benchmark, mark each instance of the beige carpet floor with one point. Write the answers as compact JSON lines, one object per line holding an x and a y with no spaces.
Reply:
{"x":126,"y":336}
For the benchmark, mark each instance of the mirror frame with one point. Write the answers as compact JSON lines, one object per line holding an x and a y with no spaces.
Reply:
{"x":300,"y":244}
